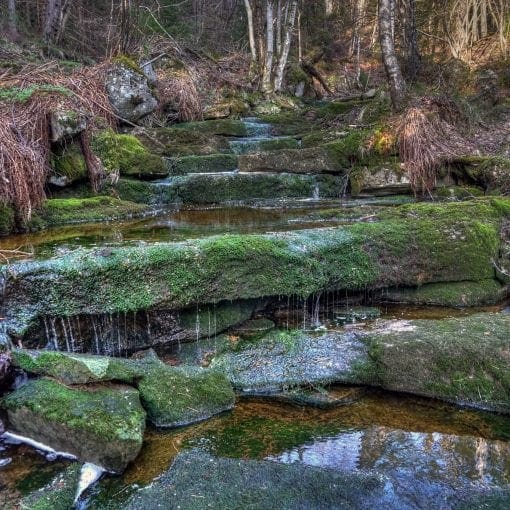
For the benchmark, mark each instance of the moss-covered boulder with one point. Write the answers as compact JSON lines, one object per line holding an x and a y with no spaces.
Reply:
{"x":172,"y":396}
{"x":177,"y":396}
{"x":59,"y":494}
{"x":203,"y":164}
{"x":283,"y":360}
{"x":68,"y":166}
{"x":173,"y":142}
{"x":62,"y":211}
{"x":219,"y":127}
{"x":101,"y":425}
{"x":125,"y":154}
{"x":409,"y":245}
{"x":244,"y":146}
{"x":305,"y":161}
{"x":455,"y":294}
{"x":464,"y":360}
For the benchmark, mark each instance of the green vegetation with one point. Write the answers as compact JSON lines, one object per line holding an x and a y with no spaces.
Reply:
{"x":22,"y":95}
{"x":203,"y":164}
{"x":70,"y":164}
{"x":220,"y":127}
{"x":61,"y":211}
{"x":126,"y":154}
{"x":6,"y":219}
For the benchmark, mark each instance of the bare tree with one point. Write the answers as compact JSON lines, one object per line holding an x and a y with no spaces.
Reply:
{"x":267,"y":85}
{"x":391,"y":65}
{"x":285,"y":47}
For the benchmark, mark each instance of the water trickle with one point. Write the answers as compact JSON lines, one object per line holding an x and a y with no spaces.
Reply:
{"x":66,"y":337}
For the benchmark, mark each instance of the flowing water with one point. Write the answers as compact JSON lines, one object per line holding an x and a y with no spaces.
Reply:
{"x":429,"y":449}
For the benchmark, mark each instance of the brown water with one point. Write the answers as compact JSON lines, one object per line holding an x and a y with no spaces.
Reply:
{"x":179,"y":225}
{"x":437,"y":443}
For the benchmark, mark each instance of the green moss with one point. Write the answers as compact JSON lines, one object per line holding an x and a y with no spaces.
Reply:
{"x":22,"y":95}
{"x":174,"y":142}
{"x":461,"y":360}
{"x":142,"y":192}
{"x":348,"y":150}
{"x":59,"y":494}
{"x":126,"y":154}
{"x":61,"y":211}
{"x":458,"y":192}
{"x":176,"y":396}
{"x":455,"y":294}
{"x":7,"y":222}
{"x":220,"y":127}
{"x":289,"y":122}
{"x":204,"y":164}
{"x":127,"y":62}
{"x":70,"y":163}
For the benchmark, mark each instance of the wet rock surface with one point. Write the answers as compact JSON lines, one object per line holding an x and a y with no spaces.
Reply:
{"x":102,"y":425}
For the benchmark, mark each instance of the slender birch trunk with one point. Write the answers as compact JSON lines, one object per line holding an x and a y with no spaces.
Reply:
{"x":267,"y":85}
{"x":282,"y":62}
{"x":391,"y":65}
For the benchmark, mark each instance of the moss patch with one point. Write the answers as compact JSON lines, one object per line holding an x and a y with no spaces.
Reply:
{"x":69,"y":164}
{"x":219,"y":127}
{"x":61,"y":211}
{"x":103,"y":425}
{"x":126,"y":154}
{"x":7,"y":222}
{"x":203,"y":164}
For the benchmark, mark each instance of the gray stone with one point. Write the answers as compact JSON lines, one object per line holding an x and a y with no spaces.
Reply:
{"x":129,"y":93}
{"x":66,"y":124}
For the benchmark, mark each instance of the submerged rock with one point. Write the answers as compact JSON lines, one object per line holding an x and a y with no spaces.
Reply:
{"x":59,"y":494}
{"x":101,"y":425}
{"x":197,"y":480}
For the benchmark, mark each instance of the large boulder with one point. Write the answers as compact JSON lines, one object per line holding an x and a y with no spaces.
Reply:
{"x":172,"y":396}
{"x":101,"y":425}
{"x":66,"y":124}
{"x":129,"y":92}
{"x":380,"y":180}
{"x":463,"y":360}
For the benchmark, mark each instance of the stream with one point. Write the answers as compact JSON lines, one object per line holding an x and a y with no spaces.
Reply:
{"x":430,"y":451}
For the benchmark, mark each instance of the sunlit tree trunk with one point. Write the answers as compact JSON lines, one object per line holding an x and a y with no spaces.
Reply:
{"x":251,"y":35}
{"x":391,"y":65}
{"x":267,"y":85}
{"x":283,"y":57}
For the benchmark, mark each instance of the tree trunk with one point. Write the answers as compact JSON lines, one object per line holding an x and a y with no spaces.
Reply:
{"x":57,"y":12}
{"x":391,"y":65}
{"x":411,"y":39}
{"x":12,"y":25}
{"x":289,"y":28}
{"x":251,"y":34}
{"x":267,"y":86}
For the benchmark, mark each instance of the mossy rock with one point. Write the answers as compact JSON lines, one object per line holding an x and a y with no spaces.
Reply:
{"x":219,"y":127}
{"x":304,"y":161}
{"x":127,"y":155}
{"x":492,"y":173}
{"x":407,"y":246}
{"x":458,"y":192}
{"x":101,"y":425}
{"x":62,"y":211}
{"x":68,"y":166}
{"x":253,"y":145}
{"x":454,"y":294}
{"x":177,"y":396}
{"x":174,"y":142}
{"x":7,"y":222}
{"x":197,"y":480}
{"x":253,"y":329}
{"x":462,"y":360}
{"x":203,"y":164}
{"x":382,"y":179}
{"x":59,"y":494}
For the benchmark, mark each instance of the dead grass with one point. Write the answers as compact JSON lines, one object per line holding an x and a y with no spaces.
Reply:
{"x":428,"y":138}
{"x":24,"y":130}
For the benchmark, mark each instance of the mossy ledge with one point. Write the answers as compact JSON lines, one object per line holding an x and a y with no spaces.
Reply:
{"x":409,"y":246}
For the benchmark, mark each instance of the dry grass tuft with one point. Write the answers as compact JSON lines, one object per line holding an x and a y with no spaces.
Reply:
{"x":428,"y":139}
{"x":26,"y":103}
